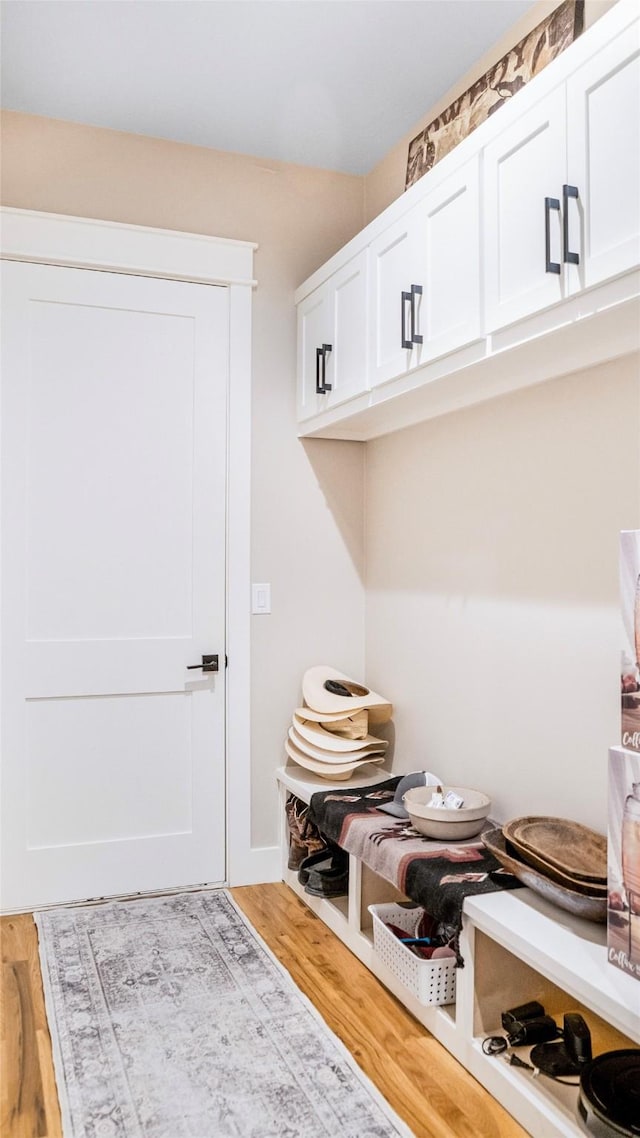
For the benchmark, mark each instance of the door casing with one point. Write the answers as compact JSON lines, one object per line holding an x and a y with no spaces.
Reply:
{"x":136,"y":250}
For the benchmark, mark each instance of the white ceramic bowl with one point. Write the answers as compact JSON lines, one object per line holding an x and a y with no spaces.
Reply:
{"x":447,"y":825}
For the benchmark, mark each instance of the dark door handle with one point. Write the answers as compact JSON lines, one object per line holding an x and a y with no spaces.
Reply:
{"x":404,"y":301}
{"x":209,"y":664}
{"x":569,"y":257}
{"x":416,"y":290}
{"x":550,"y":266}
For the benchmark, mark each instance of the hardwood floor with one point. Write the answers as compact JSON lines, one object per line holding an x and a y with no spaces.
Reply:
{"x":416,"y":1074}
{"x":28,"y":1098}
{"x":424,"y":1084}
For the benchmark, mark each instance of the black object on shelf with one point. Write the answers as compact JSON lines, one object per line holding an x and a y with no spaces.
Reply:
{"x":577,"y":1038}
{"x":609,"y":1096}
{"x":532,"y":1010}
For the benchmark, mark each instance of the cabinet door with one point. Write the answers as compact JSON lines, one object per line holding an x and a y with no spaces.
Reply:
{"x":603,"y":98}
{"x":314,"y":330}
{"x":449,"y":234}
{"x":395,"y":266}
{"x":346,"y":363}
{"x":522,"y":168}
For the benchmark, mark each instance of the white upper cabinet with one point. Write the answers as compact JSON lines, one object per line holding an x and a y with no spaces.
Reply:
{"x":314,"y":331}
{"x":450,"y":311}
{"x":513,"y":261}
{"x":524,"y":171}
{"x":395,"y":287}
{"x":562,"y":189}
{"x":332,"y":340}
{"x":425,"y":279}
{"x":603,"y":101}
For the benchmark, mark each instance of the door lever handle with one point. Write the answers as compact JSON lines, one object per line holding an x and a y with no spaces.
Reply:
{"x":209,"y":664}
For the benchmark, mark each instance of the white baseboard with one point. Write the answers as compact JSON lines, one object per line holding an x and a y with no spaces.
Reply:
{"x":256,"y":866}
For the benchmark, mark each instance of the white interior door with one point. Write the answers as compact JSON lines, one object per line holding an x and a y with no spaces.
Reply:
{"x":114,"y":468}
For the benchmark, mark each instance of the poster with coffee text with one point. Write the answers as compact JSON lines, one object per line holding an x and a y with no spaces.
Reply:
{"x":623,"y":871}
{"x":630,"y":664}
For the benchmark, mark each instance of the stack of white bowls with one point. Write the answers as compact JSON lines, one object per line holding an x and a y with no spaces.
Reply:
{"x":329,"y":735}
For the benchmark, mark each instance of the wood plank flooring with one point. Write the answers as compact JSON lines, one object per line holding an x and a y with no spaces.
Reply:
{"x":28,"y":1098}
{"x":424,"y":1084}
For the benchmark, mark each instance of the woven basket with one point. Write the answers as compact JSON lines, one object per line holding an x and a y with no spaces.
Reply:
{"x":430,"y":981}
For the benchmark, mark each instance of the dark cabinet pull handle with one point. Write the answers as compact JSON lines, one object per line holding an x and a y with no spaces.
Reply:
{"x":549,"y":204}
{"x":325,"y":386}
{"x":416,"y":290}
{"x":405,"y":299}
{"x":409,"y":298}
{"x":569,"y":257}
{"x":321,"y":369}
{"x":319,"y":386}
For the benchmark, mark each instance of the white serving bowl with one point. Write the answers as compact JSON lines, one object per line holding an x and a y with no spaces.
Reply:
{"x":438,"y":821}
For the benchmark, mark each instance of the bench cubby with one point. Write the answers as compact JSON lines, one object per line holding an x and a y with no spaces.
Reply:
{"x":516,"y":947}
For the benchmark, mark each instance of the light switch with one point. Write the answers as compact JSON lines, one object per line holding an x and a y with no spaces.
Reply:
{"x":261,"y":598}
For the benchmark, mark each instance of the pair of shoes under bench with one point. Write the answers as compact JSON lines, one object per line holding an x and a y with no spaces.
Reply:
{"x":330,"y":877}
{"x":311,"y":861}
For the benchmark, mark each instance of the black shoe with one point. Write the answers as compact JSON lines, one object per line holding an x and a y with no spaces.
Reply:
{"x":311,"y":861}
{"x":331,"y":880}
{"x":328,"y":884}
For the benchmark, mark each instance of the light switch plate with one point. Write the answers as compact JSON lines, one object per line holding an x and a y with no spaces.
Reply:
{"x":260,"y":599}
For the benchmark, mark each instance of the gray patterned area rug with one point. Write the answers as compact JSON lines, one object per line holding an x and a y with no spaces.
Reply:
{"x":170,"y":1018}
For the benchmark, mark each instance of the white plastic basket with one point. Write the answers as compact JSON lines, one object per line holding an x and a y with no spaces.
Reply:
{"x":430,"y":981}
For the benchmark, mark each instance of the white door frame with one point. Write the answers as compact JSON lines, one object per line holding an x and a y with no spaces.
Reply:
{"x":76,"y":242}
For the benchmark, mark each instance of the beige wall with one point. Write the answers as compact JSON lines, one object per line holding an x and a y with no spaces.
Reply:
{"x":492,"y":589}
{"x":307,"y":536}
{"x":386,"y":181}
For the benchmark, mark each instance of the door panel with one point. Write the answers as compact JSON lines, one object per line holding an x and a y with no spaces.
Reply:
{"x":314,"y":329}
{"x":114,"y":440}
{"x":347,"y":363}
{"x":97,"y":565}
{"x":450,"y":235}
{"x":396,"y":263}
{"x":604,"y":160}
{"x":89,"y":775}
{"x":525,"y":165}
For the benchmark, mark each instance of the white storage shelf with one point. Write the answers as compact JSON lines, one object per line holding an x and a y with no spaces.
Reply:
{"x":516,"y":947}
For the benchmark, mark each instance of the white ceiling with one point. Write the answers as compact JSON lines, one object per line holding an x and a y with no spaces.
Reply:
{"x":330,"y":83}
